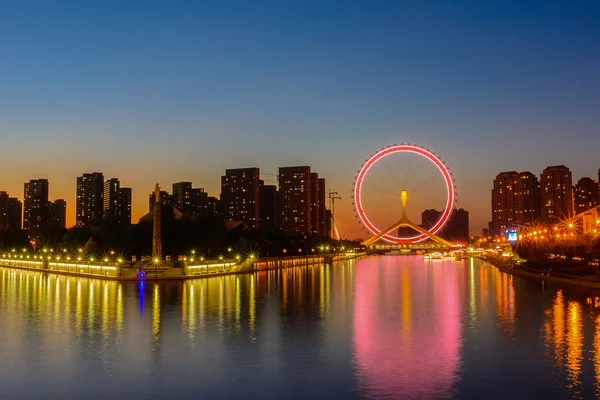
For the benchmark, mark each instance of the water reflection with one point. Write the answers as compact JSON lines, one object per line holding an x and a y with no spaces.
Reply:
{"x":564,"y":339}
{"x":405,"y":342}
{"x":386,"y":327}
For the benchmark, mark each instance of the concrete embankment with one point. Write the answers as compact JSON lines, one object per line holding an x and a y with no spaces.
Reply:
{"x":531,"y":274}
{"x":116,"y":272}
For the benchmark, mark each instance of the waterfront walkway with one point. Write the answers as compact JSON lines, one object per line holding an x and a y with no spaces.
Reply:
{"x":120,"y":271}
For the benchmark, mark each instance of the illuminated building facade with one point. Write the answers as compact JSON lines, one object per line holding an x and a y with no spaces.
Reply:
{"x":314,"y":203}
{"x":125,"y":206}
{"x":527,"y":204}
{"x":322,"y":229}
{"x":198,"y":203}
{"x":165,"y":199}
{"x":10,"y":212}
{"x":295,"y":200}
{"x":505,"y":201}
{"x":90,"y":200}
{"x":585,"y":194}
{"x":57,"y":214}
{"x":213,"y":207}
{"x":35,"y":207}
{"x":117,"y":202}
{"x":556,"y":186}
{"x":182,"y":198}
{"x":515,"y":201}
{"x":240,"y":194}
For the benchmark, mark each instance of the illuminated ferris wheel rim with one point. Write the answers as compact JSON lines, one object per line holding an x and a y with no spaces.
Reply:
{"x":400,"y":148}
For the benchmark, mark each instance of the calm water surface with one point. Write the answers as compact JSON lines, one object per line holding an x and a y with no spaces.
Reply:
{"x":381,"y":327}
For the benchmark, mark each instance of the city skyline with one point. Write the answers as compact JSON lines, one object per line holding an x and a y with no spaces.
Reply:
{"x":135,"y":214}
{"x":168,"y":101}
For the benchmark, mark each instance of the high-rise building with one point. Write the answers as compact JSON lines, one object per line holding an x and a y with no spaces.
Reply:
{"x":505,"y":196}
{"x":182,"y":198}
{"x":268,"y":208}
{"x":527,"y":204}
{"x":295,"y":200}
{"x":556,"y":188}
{"x":585,"y":194}
{"x":3,"y":210}
{"x":90,"y":200}
{"x":15,"y":213}
{"x":429,"y":218}
{"x":165,"y":199}
{"x":315,"y":206}
{"x":125,"y":206}
{"x":240,"y":193}
{"x":456,"y":228}
{"x":111,"y":200}
{"x":515,"y":201}
{"x":322,"y":229}
{"x":198,"y":202}
{"x":214,"y":208}
{"x":57,"y":214}
{"x":117,"y":202}
{"x":35,"y":207}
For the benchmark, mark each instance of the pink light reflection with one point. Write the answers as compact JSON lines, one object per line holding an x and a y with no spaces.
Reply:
{"x":406,"y":328}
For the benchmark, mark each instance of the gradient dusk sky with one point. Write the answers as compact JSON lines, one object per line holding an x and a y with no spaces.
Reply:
{"x":165,"y":91}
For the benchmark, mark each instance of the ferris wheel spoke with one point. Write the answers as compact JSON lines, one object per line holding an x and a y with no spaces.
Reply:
{"x":421,"y":185}
{"x":406,"y":176}
{"x":381,"y":190}
{"x":383,"y":210}
{"x":392,"y":174}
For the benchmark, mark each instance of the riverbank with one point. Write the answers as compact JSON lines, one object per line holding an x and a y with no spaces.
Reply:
{"x":185,"y":272}
{"x":533,"y":274}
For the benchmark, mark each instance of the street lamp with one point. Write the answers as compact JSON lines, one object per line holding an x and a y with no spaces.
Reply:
{"x":156,"y":261}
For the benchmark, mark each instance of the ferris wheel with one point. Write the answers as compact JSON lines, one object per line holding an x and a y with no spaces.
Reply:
{"x":444,"y":196}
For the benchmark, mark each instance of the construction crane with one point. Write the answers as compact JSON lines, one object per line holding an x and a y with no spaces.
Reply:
{"x":332,"y":198}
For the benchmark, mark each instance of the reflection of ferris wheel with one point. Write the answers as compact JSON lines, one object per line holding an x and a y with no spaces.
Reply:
{"x":421,"y":233}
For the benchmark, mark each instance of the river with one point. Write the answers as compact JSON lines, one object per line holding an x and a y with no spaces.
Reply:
{"x":377,"y":327}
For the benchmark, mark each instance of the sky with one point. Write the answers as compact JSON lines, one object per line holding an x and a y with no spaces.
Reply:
{"x":168,"y":91}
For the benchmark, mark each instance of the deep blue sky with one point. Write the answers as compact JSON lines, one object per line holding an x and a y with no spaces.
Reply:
{"x":170,"y":90}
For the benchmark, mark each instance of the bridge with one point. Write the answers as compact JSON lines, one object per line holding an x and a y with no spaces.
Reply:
{"x":378,"y":242}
